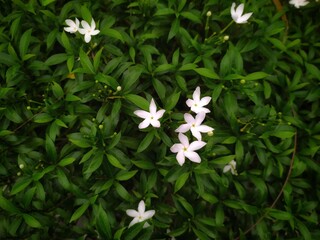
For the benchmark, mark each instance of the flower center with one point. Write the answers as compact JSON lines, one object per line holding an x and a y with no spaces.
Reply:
{"x":185,"y":149}
{"x":193,"y":125}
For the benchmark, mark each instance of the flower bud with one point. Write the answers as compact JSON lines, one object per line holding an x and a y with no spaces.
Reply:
{"x":209,"y":14}
{"x":28,"y":107}
{"x":21,"y":166}
{"x":100,"y":126}
{"x":210,"y":134}
{"x":226,"y":38}
{"x":119,"y":88}
{"x":242,"y":81}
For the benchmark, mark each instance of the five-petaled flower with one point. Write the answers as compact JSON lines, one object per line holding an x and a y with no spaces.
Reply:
{"x":236,"y":14}
{"x":88,"y":30}
{"x":73,"y":27}
{"x":140,"y":215}
{"x":151,"y":117}
{"x":186,"y":150}
{"x":231,"y":166}
{"x":196,"y":104}
{"x":194,"y":125}
{"x":298,"y":3}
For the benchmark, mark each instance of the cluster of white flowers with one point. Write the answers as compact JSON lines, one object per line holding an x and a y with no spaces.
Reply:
{"x":184,"y":149}
{"x":298,"y":3}
{"x":86,"y":30}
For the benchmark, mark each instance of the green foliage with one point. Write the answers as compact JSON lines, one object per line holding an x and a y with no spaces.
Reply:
{"x":73,"y":160}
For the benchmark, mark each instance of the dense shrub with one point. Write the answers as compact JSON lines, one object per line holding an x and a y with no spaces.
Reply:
{"x":74,"y":157}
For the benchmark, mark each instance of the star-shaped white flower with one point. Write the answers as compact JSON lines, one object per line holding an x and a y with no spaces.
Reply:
{"x":152,"y":117}
{"x":236,"y":14}
{"x":196,"y":104}
{"x":73,"y":27}
{"x":194,"y":125}
{"x":88,"y":30}
{"x":140,"y":215}
{"x":298,"y":3}
{"x":186,"y":150}
{"x":231,"y":166}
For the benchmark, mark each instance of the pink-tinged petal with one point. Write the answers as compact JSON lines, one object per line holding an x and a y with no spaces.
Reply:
{"x":133,"y":222}
{"x":190,"y":103}
{"x":141,"y":207}
{"x":155,"y":123}
{"x":93,"y":24}
{"x":189,"y":118}
{"x":196,"y":94}
{"x":180,"y":158}
{"x":199,"y":118}
{"x":144,"y":124}
{"x":196,"y":133}
{"x":87,"y":38}
{"x":204,"y":129}
{"x":244,"y":18}
{"x":233,"y":10}
{"x":132,"y":213}
{"x":183,"y":128}
{"x":204,"y":101}
{"x":183,"y":139}
{"x":193,"y":156}
{"x":95,"y":32}
{"x":176,"y":147}
{"x":226,"y":168}
{"x":159,"y":114}
{"x":148,"y":214}
{"x":85,"y":25}
{"x":239,"y":10}
{"x":152,"y":107}
{"x":196,"y":145}
{"x":142,"y":113}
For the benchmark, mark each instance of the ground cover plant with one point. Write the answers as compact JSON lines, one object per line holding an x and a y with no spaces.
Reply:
{"x":159,"y":119}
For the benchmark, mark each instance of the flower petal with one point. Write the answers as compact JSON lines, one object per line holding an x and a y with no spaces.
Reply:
{"x":85,"y":25}
{"x":148,"y":214}
{"x":195,"y":132}
{"x":196,"y":94}
{"x":204,"y":128}
{"x":244,"y":18}
{"x":189,"y":118}
{"x":196,"y":145}
{"x":193,"y":156}
{"x":145,"y":123}
{"x":239,"y":10}
{"x":183,"y":128}
{"x":204,"y":101}
{"x":134,"y":221}
{"x":95,"y":32}
{"x":159,"y":114}
{"x":155,"y":123}
{"x":152,"y":107}
{"x":180,"y":158}
{"x":190,"y":102}
{"x":82,"y":31}
{"x":183,"y":139}
{"x":233,"y":10}
{"x":142,"y":113}
{"x":141,"y":207}
{"x":132,"y":213}
{"x":226,"y":168}
{"x":176,"y":147}
{"x":87,"y":38}
{"x":199,"y":118}
{"x":93,"y":24}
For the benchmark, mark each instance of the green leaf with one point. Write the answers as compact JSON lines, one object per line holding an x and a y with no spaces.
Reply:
{"x":175,"y":25}
{"x":112,"y":33}
{"x":56,"y":59}
{"x":103,"y":223}
{"x":224,"y":160}
{"x":79,"y":212}
{"x":256,"y":76}
{"x":138,"y":101}
{"x":146,"y":142}
{"x":181,"y":181}
{"x":160,"y":88}
{"x":188,"y":66}
{"x":206,"y":73}
{"x":93,"y":164}
{"x":115,"y":162}
{"x":164,"y":68}
{"x":172,"y":101}
{"x":7,"y":205}
{"x":20,"y":185}
{"x":57,"y":90}
{"x":78,"y":140}
{"x":131,"y":76}
{"x":31,"y":221}
{"x":86,"y":14}
{"x":66,"y":161}
{"x":85,"y":62}
{"x":144,"y":164}
{"x":96,"y":60}
{"x":123,"y":193}
{"x":278,"y":214}
{"x":124,"y":175}
{"x":24,"y":43}
{"x":42,"y":118}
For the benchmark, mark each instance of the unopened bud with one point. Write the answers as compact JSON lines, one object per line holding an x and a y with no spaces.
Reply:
{"x":119,"y":88}
{"x":242,"y":81}
{"x":210,"y":134}
{"x":209,"y":14}
{"x":28,"y":107}
{"x":226,"y":38}
{"x":21,"y":166}
{"x":100,"y":126}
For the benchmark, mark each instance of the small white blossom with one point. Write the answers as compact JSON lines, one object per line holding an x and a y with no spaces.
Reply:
{"x":196,"y":104}
{"x":140,"y":215}
{"x":186,"y":150}
{"x":194,"y":125}
{"x":73,"y":27}
{"x":236,"y":14}
{"x":88,"y":30}
{"x":298,"y":3}
{"x":151,"y":117}
{"x":231,"y":166}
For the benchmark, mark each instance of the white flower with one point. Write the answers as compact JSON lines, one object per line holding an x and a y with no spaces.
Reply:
{"x":140,"y":215}
{"x":298,"y":3}
{"x":231,"y":166}
{"x":236,"y":14}
{"x":73,"y":27}
{"x":196,"y":104}
{"x":186,"y":150}
{"x":194,"y":125}
{"x":150,"y":117}
{"x":88,"y":30}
